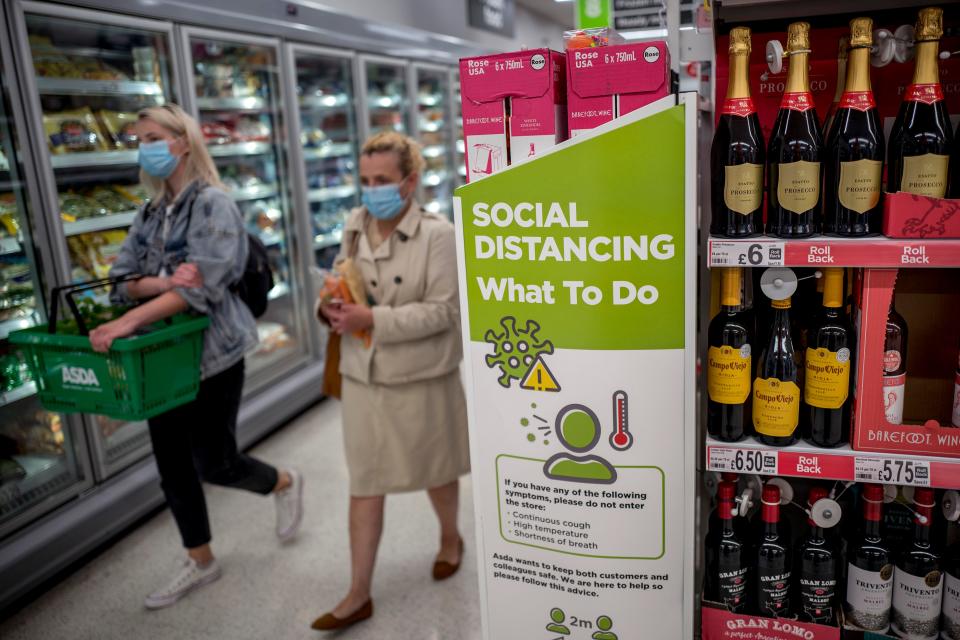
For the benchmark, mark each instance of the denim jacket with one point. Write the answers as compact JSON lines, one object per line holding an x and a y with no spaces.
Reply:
{"x":205,"y":229}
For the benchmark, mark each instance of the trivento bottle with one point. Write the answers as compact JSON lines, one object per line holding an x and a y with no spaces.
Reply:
{"x":826,"y":381}
{"x":917,"y":579}
{"x":921,"y":138}
{"x":841,"y":80}
{"x":776,"y":388}
{"x":728,"y":556}
{"x":796,"y":145}
{"x":950,"y":622}
{"x":729,"y":361}
{"x":855,"y":148}
{"x":894,"y":365}
{"x":870,"y":569}
{"x":773,"y":560}
{"x":817,"y":558}
{"x":737,"y":154}
{"x":956,"y":394}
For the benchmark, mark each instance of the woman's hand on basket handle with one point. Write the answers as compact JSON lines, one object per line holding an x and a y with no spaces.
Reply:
{"x":161,"y":307}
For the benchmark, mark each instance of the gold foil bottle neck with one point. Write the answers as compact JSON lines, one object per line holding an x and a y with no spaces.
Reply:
{"x":798,"y":37}
{"x":929,"y":24}
{"x":861,"y":32}
{"x":740,"y":41}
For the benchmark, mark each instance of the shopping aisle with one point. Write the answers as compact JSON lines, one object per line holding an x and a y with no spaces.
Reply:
{"x":269,"y":591}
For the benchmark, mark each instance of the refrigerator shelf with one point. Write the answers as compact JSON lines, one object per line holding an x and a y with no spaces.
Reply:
{"x":239,"y":149}
{"x":44,"y":476}
{"x":93,"y":159}
{"x":325,"y":102}
{"x":430,"y":100}
{"x":434,"y":178}
{"x":249,"y":103}
{"x":325,"y":240}
{"x":336,"y":150}
{"x":385,"y":102}
{"x":255,"y":193}
{"x":82,"y":86}
{"x":434,"y":151}
{"x":431,"y":126}
{"x":21,"y":392}
{"x":461,"y":147}
{"x":15,"y":324}
{"x":331,"y":193}
{"x":99,"y":223}
{"x":9,"y":245}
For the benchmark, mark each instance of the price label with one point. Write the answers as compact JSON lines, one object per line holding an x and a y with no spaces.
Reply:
{"x":742,"y":460}
{"x":761,"y":253}
{"x":890,"y":471}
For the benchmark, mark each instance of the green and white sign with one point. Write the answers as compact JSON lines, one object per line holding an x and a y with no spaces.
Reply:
{"x":577,"y":273}
{"x":593,"y":13}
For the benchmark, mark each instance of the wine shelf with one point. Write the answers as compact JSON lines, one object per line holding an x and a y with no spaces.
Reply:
{"x":833,"y":252}
{"x":804,"y":461}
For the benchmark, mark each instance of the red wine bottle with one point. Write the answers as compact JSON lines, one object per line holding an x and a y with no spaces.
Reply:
{"x":841,"y":81}
{"x":776,"y":388}
{"x":894,"y":365}
{"x":729,"y":362}
{"x":728,"y":556}
{"x":737,"y":154}
{"x":870,"y":568}
{"x":773,"y":561}
{"x":818,"y":564}
{"x":951,"y":590}
{"x":917,"y":579}
{"x":956,"y":394}
{"x":922,"y":138}
{"x":855,"y":148}
{"x":795,"y":148}
{"x":826,"y":386}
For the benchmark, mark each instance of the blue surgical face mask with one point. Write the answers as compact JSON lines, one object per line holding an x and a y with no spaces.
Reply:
{"x":155,"y":158}
{"x":383,"y":202}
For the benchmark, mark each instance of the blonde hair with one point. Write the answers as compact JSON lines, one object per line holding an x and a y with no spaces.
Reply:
{"x":408,"y":150}
{"x":199,"y":164}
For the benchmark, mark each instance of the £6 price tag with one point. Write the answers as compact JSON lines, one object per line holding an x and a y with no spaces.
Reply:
{"x":915,"y":473}
{"x":760,"y":253}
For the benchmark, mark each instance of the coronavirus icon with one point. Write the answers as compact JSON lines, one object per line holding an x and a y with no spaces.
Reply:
{"x":516,"y":351}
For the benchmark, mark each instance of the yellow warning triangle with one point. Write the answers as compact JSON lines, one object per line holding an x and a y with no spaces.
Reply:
{"x":539,"y":378}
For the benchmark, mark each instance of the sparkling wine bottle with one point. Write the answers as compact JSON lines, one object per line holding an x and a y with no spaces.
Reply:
{"x":870,"y":569}
{"x":841,"y":81}
{"x":729,"y":361}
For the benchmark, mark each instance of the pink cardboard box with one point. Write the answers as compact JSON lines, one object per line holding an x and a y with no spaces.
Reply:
{"x":906,"y":215}
{"x":607,"y":82}
{"x":513,"y":108}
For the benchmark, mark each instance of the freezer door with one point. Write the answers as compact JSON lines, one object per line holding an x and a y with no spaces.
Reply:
{"x":43,"y":461}
{"x":386,"y":101}
{"x":434,"y":129}
{"x":237,"y":97}
{"x":89,"y":73}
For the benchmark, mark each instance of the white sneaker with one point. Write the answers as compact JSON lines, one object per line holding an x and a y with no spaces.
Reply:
{"x":190,"y":576}
{"x":289,"y":507}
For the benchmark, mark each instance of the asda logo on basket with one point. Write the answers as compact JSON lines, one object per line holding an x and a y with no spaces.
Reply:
{"x":80,"y":376}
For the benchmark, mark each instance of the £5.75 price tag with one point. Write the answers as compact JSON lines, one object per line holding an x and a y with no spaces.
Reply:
{"x":742,"y":460}
{"x":745,"y":253}
{"x":915,"y":473}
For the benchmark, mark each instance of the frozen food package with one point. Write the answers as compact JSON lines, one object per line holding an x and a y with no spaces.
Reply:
{"x":74,"y":206}
{"x":94,"y":69}
{"x":73,"y":131}
{"x":108,"y":200}
{"x":135,"y":193}
{"x":119,"y":128}
{"x":251,"y":129}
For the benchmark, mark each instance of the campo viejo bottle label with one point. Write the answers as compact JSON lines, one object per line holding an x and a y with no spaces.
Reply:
{"x":728,"y":374}
{"x":742,"y":107}
{"x":859,"y":100}
{"x":743,"y":187}
{"x":776,"y":406}
{"x":926,"y":93}
{"x":797,"y":101}
{"x":798,"y":185}
{"x":925,"y":175}
{"x":827,"y":381}
{"x":859,"y":188}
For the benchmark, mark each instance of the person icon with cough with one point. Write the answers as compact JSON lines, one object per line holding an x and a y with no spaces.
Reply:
{"x":578,"y":429}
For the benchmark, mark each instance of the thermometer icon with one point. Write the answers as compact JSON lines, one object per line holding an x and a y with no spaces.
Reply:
{"x":621,"y":439}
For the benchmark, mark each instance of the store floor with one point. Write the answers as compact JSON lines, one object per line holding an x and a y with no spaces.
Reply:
{"x":269,"y":591}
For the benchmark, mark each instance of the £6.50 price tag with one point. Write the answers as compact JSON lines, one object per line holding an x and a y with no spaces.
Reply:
{"x":915,"y":473}
{"x":742,"y":460}
{"x":744,"y":253}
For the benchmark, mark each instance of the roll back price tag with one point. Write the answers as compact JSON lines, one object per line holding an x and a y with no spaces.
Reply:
{"x":761,"y":253}
{"x":742,"y":460}
{"x":915,"y":473}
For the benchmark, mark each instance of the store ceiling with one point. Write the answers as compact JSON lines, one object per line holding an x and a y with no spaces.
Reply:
{"x":561,"y":12}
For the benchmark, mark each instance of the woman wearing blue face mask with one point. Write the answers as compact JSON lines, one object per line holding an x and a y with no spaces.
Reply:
{"x":190,"y":244}
{"x":404,"y":413}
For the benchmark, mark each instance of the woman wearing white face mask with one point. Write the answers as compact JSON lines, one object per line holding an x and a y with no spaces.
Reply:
{"x":190,"y":244}
{"x":404,"y":412}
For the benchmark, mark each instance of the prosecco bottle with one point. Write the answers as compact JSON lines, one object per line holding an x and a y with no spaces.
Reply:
{"x":894,"y":365}
{"x":855,"y":148}
{"x":729,"y":362}
{"x":776,"y":388}
{"x":841,"y":81}
{"x":870,"y":569}
{"x":826,"y":380}
{"x":728,"y":556}
{"x":818,"y":559}
{"x":773,"y":561}
{"x":917,"y":579}
{"x":795,"y":149}
{"x":737,"y":154}
{"x":921,"y":138}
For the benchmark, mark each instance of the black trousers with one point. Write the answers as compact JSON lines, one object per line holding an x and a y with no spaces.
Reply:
{"x":197,"y":442}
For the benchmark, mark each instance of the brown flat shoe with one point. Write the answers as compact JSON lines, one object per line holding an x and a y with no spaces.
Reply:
{"x":330,"y":622}
{"x":443,"y":570}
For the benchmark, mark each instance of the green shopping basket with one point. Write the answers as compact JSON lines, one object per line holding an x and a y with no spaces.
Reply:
{"x":140,"y":377}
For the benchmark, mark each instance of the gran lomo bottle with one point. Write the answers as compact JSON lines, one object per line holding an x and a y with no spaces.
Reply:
{"x":729,"y":361}
{"x":728,"y":556}
{"x":795,"y":148}
{"x":855,"y":148}
{"x":773,"y":559}
{"x":817,"y":559}
{"x":870,"y":569}
{"x":917,"y":580}
{"x":894,"y":365}
{"x":737,"y":154}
